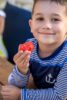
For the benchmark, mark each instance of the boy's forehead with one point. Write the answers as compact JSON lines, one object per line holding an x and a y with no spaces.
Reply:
{"x":47,"y":7}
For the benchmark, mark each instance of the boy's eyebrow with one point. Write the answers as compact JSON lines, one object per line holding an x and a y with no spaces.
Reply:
{"x":54,"y":14}
{"x":38,"y":14}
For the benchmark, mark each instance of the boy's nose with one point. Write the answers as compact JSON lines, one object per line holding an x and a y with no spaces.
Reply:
{"x":46,"y":25}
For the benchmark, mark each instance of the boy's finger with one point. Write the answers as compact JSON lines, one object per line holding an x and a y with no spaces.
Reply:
{"x":22,"y":58}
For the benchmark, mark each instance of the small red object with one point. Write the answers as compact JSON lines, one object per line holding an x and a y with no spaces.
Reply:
{"x":26,"y":46}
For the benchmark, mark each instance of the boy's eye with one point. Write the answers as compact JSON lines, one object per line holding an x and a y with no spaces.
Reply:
{"x":55,"y":19}
{"x":40,"y":19}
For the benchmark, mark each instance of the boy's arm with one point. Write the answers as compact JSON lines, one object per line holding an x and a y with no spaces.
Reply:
{"x":58,"y":92}
{"x":31,"y":84}
{"x":18,"y":79}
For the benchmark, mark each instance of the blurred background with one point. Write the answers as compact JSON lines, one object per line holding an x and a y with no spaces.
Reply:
{"x":14,"y":30}
{"x":27,"y":4}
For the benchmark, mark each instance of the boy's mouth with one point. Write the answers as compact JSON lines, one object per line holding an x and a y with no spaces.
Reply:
{"x":46,"y":33}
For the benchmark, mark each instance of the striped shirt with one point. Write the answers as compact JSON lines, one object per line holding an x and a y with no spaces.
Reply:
{"x":49,"y":74}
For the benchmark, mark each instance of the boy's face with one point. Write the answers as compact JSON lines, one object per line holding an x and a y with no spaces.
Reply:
{"x":2,"y":21}
{"x":49,"y":22}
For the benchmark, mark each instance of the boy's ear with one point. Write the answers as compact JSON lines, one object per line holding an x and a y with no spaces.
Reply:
{"x":30,"y":24}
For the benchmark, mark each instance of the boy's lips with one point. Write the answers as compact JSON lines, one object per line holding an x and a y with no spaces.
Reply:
{"x":47,"y":33}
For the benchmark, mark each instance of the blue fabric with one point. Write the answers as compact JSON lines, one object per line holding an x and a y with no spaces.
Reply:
{"x":17,"y":29}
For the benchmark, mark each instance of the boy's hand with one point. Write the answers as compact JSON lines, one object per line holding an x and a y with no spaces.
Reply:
{"x":21,"y":59}
{"x":10,"y":92}
{"x":23,"y":56}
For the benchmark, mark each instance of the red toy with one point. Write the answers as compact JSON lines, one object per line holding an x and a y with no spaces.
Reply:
{"x":26,"y":46}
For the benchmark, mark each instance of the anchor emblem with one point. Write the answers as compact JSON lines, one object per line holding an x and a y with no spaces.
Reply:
{"x":49,"y":79}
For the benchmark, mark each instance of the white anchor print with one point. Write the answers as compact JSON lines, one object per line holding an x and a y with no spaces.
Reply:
{"x":49,"y":79}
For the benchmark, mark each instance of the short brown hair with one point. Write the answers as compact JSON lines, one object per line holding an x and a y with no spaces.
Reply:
{"x":62,"y":2}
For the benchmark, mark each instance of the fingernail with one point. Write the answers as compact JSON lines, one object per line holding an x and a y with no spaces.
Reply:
{"x":29,"y":56}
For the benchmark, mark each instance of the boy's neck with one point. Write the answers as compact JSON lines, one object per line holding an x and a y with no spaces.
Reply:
{"x":45,"y":51}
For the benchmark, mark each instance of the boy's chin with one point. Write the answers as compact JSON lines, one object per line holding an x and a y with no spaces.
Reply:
{"x":47,"y":39}
{"x":50,"y":41}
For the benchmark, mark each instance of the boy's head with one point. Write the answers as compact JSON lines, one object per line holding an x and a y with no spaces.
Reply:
{"x":49,"y":21}
{"x":2,"y":21}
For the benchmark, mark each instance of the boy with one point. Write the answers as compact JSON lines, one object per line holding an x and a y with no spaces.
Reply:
{"x":3,"y":51}
{"x":48,"y":61}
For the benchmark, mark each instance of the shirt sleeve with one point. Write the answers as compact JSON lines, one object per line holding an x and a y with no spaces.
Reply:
{"x":18,"y":79}
{"x":58,"y":92}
